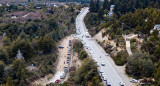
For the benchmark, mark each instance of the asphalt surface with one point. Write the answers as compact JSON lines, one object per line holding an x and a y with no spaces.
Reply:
{"x":93,"y":49}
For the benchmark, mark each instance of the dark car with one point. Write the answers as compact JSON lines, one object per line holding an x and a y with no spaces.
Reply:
{"x":58,"y":81}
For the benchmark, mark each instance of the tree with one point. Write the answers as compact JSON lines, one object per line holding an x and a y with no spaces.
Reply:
{"x":46,"y":44}
{"x":10,"y":82}
{"x":97,"y":6}
{"x":72,"y":20}
{"x":157,"y":74}
{"x":92,"y":6}
{"x":105,"y":4}
{"x":25,"y":48}
{"x":100,"y":13}
{"x":2,"y":72}
{"x":96,"y":82}
{"x":86,"y":72}
{"x":121,"y":57}
{"x":19,"y":69}
{"x":155,"y":33}
{"x":140,"y":65}
{"x":83,"y":54}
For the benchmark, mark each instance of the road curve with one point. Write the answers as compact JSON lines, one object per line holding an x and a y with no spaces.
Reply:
{"x":93,"y":49}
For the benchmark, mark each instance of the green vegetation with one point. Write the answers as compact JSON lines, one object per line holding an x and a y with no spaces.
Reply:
{"x":130,"y":16}
{"x":124,"y":6}
{"x":36,"y":38}
{"x":83,"y":54}
{"x":78,"y":46}
{"x":121,"y":57}
{"x":140,"y":65}
{"x":87,"y":75}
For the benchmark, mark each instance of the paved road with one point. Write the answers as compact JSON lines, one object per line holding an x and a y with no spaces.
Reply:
{"x":93,"y":49}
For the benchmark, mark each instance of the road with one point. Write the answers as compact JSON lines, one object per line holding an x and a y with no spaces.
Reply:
{"x":96,"y":52}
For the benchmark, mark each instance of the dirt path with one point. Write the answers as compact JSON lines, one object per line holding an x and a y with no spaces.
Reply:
{"x":128,"y":45}
{"x":62,"y":57}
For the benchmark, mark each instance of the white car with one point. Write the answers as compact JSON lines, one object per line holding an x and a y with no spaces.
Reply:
{"x":104,"y":79}
{"x":98,"y":65}
{"x":133,"y":80}
{"x":108,"y":83}
{"x":103,"y":64}
{"x":103,"y":75}
{"x":107,"y":54}
{"x":95,"y":60}
{"x":100,"y":70}
{"x":63,"y":76}
{"x":121,"y":84}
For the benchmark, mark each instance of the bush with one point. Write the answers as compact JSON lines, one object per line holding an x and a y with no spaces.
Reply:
{"x":121,"y":58}
{"x":78,"y":46}
{"x":83,"y":54}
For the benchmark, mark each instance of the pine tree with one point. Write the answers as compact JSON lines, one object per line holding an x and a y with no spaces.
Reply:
{"x":97,"y":6}
{"x":92,"y":6}
{"x":105,"y":4}
{"x":100,"y":13}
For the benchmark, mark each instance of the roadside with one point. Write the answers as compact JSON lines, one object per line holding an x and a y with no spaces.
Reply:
{"x":120,"y":69}
{"x":62,"y":58}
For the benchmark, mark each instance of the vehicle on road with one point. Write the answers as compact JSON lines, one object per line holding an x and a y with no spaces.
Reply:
{"x":107,"y":54}
{"x":121,"y":84}
{"x":60,"y":46}
{"x":134,"y":81}
{"x":108,"y":83}
{"x":62,"y":76}
{"x":98,"y":65}
{"x":100,"y":70}
{"x":66,"y":66}
{"x":58,"y":81}
{"x":103,"y":64}
{"x":65,"y":70}
{"x":104,"y":79}
{"x":95,"y":60}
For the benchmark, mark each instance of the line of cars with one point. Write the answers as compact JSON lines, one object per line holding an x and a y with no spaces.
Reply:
{"x":66,"y":67}
{"x":99,"y":65}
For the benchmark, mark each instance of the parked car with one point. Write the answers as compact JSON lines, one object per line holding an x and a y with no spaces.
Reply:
{"x":121,"y":84}
{"x":103,"y":64}
{"x":65,"y":70}
{"x":62,"y":76}
{"x":66,"y":66}
{"x":104,"y":79}
{"x":133,"y":80}
{"x":58,"y":81}
{"x":107,"y":54}
{"x":108,"y":83}
{"x":60,"y":46}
